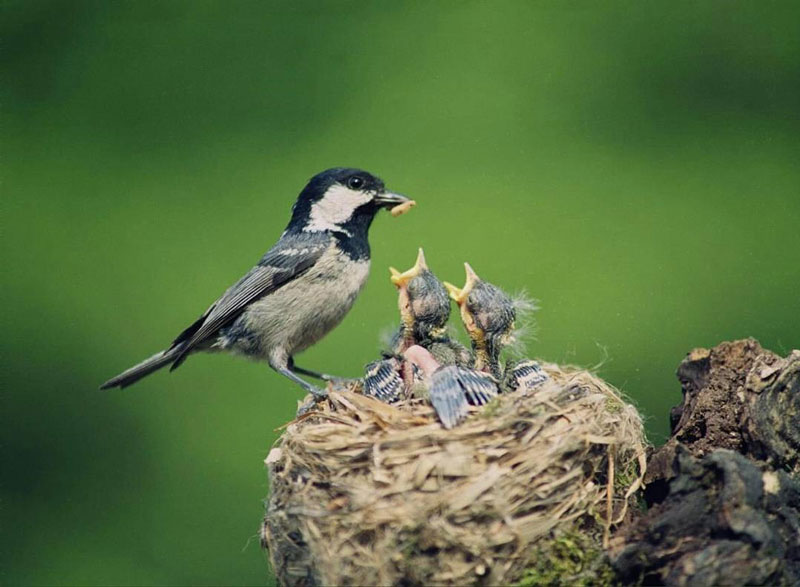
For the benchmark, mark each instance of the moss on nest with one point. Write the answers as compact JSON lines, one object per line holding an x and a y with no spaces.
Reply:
{"x":369,"y":493}
{"x":572,"y":558}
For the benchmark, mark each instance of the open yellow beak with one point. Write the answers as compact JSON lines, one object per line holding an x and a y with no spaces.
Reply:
{"x":455,"y":294}
{"x":460,"y":296}
{"x":401,"y":279}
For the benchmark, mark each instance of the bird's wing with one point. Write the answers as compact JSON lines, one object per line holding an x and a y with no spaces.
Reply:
{"x":290,"y":257}
{"x":478,"y":387}
{"x":526,"y":375}
{"x":447,"y":396}
{"x":382,"y":380}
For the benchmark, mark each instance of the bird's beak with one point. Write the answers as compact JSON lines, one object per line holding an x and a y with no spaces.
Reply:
{"x":397,"y":203}
{"x":459,"y":296}
{"x":401,"y":279}
{"x":455,"y":293}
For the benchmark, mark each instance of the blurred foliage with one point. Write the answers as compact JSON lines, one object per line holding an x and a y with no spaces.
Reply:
{"x":635,"y":167}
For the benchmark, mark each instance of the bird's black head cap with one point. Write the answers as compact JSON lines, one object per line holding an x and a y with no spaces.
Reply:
{"x":356,"y":179}
{"x":342,"y":202}
{"x":353,"y":179}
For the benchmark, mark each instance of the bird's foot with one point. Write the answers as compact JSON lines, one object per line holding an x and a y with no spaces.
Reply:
{"x":306,"y":407}
{"x":317,"y":395}
{"x":341,"y":382}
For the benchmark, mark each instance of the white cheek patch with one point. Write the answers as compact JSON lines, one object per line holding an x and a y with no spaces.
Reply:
{"x":335,"y":208}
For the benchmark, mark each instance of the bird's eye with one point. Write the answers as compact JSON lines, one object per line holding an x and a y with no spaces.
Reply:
{"x":355,"y":183}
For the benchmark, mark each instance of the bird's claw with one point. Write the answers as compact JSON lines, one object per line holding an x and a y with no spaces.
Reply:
{"x":317,"y":395}
{"x":305,"y":408}
{"x":340,"y":382}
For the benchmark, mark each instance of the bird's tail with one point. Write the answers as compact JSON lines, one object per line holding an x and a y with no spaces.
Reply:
{"x":144,"y":368}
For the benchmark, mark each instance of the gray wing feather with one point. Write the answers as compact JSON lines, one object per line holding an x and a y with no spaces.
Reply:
{"x":290,"y":257}
{"x":478,"y":387}
{"x":526,"y":375}
{"x":453,"y":388}
{"x":382,"y":380}
{"x":447,"y":396}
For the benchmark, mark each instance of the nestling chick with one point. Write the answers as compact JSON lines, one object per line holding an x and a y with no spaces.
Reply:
{"x":425,"y":345}
{"x":451,"y":388}
{"x":424,"y":310}
{"x":299,"y":290}
{"x":424,"y":306}
{"x":382,"y":380}
{"x":489,"y":316}
{"x":524,"y":375}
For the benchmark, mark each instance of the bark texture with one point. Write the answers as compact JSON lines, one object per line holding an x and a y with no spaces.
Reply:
{"x":740,"y":397}
{"x":724,"y":491}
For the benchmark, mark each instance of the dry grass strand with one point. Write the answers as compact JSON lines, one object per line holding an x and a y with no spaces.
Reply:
{"x":369,"y":493}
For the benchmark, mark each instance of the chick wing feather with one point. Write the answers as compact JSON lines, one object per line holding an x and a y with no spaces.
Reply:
{"x":447,"y":396}
{"x":526,"y":375}
{"x":382,"y":380}
{"x":478,"y":387}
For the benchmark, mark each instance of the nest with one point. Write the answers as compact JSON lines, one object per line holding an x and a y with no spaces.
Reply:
{"x":366,"y":493}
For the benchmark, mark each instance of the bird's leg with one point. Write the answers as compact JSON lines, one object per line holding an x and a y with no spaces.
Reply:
{"x":286,"y":367}
{"x":283,"y":365}
{"x":321,"y":376}
{"x":319,"y":394}
{"x":314,"y":374}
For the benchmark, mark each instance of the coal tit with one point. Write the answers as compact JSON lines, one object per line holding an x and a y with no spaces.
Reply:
{"x":489,"y":316}
{"x":299,"y":290}
{"x":424,"y":309}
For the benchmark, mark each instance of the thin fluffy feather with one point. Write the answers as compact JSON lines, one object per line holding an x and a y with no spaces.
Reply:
{"x":525,"y":324}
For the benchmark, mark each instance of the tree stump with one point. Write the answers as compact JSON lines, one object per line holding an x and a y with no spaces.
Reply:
{"x":724,"y":491}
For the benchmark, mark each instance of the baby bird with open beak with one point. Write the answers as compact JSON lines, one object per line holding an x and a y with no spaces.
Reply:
{"x":424,"y":310}
{"x":424,"y":306}
{"x":489,"y":316}
{"x":422,"y":351}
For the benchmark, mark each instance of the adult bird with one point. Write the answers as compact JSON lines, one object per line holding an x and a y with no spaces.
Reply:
{"x":300,"y":289}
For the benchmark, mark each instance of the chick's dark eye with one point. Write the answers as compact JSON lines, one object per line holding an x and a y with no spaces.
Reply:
{"x":355,"y":183}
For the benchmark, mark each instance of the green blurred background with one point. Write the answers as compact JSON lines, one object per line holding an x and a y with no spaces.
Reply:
{"x":636,"y":168}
